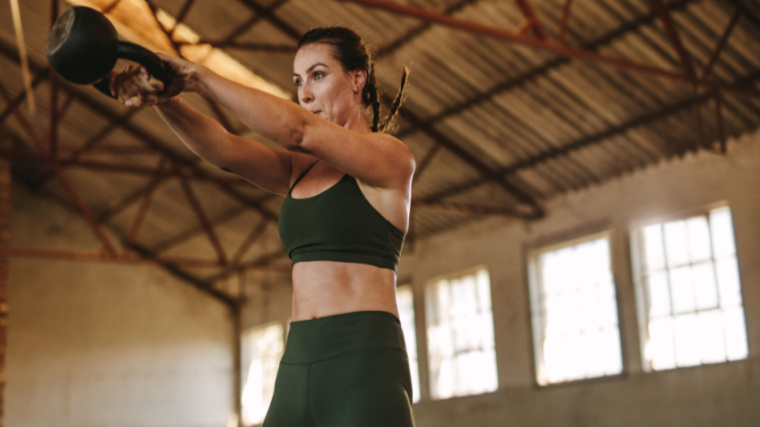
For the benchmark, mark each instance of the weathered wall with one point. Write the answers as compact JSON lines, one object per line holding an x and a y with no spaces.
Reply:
{"x":716,"y":395}
{"x":106,"y":345}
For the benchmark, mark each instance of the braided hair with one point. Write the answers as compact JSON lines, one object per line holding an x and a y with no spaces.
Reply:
{"x":353,"y":54}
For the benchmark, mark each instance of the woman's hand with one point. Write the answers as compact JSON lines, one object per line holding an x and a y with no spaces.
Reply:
{"x":135,"y":87}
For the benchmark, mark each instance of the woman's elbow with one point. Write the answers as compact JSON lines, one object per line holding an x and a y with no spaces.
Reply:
{"x":295,"y":134}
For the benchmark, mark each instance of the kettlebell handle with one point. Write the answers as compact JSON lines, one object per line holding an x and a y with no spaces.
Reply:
{"x":136,"y":53}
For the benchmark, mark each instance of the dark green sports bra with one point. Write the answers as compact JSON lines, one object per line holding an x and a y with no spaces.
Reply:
{"x":338,"y":224}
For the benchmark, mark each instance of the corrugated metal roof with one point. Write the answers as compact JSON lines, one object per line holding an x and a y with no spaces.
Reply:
{"x":499,"y":126}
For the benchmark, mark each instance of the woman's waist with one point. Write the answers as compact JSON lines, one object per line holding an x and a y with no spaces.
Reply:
{"x":325,"y":288}
{"x":324,"y":338}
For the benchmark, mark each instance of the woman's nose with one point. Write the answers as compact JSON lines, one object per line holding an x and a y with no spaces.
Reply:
{"x":304,"y":94}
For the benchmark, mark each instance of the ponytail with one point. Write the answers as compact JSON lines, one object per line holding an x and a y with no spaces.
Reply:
{"x":389,"y":125}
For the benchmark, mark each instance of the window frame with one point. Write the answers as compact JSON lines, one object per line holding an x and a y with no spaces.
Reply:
{"x":635,"y":248}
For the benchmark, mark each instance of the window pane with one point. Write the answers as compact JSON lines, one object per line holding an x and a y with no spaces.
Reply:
{"x":687,"y":341}
{"x":575,"y":319}
{"x":659,"y":349}
{"x":262,"y":349}
{"x":722,"y":232}
{"x":728,"y":282}
{"x":699,"y":239}
{"x":713,"y":349}
{"x":654,"y":246}
{"x":676,"y":243}
{"x":659,"y":294}
{"x":736,"y":333}
{"x":705,"y":288}
{"x":682,"y":288}
{"x":460,"y":336}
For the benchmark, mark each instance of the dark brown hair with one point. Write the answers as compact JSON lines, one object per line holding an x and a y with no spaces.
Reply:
{"x":353,"y":54}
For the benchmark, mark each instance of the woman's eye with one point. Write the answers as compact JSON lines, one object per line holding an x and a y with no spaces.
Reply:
{"x":318,"y":75}
{"x":298,"y":82}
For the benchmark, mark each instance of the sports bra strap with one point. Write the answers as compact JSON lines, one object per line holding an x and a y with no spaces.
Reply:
{"x":303,"y":174}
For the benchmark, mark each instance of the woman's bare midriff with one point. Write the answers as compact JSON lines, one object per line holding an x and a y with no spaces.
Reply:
{"x":326,"y":288}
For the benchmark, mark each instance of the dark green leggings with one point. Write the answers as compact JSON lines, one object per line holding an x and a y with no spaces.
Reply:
{"x":348,"y":370}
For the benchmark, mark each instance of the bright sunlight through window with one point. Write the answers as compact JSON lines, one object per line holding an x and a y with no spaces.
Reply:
{"x":688,"y":280}
{"x":262,"y":349}
{"x":460,"y":336}
{"x":574,"y":312}
{"x":405,"y":300}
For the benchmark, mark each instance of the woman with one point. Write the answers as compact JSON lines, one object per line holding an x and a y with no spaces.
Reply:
{"x":347,"y":194}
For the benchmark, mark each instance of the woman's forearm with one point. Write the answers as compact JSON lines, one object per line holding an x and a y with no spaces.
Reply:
{"x":279,"y":120}
{"x":202,"y":135}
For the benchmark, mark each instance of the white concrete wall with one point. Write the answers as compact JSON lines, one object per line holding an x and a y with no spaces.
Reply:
{"x":715,"y":395}
{"x":106,"y":345}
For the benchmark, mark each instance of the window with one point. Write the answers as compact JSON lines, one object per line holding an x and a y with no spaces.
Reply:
{"x":262,"y":349}
{"x":687,"y":280}
{"x":405,"y":299}
{"x":574,"y":312}
{"x":460,"y":336}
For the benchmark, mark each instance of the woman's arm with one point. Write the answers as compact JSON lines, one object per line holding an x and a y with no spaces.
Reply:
{"x":267,"y":167}
{"x":378,"y":159}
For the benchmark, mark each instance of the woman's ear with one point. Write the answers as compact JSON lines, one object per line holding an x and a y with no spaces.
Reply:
{"x":359,"y":80}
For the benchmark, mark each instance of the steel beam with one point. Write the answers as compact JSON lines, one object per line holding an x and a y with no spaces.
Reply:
{"x":152,"y":143}
{"x":76,"y":198}
{"x":675,"y":39}
{"x":475,"y":163}
{"x":591,"y":139}
{"x":195,"y":204}
{"x":143,"y":208}
{"x":394,"y":45}
{"x":470,"y":209}
{"x":721,"y":44}
{"x":254,"y":235}
{"x":564,"y":21}
{"x":549,"y":46}
{"x":530,"y":15}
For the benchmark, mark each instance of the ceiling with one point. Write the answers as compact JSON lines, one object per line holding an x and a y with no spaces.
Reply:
{"x":510,"y":103}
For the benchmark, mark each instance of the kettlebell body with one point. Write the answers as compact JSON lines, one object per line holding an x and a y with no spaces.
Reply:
{"x":83,"y":47}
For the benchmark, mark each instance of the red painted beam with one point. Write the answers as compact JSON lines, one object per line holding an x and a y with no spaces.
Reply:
{"x":143,"y":208}
{"x":530,"y":14}
{"x":76,"y":198}
{"x":203,"y":218}
{"x":250,"y":240}
{"x":675,"y":38}
{"x":550,"y":46}
{"x":564,"y":21}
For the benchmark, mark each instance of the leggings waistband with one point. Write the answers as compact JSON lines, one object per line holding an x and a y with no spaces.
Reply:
{"x":311,"y":341}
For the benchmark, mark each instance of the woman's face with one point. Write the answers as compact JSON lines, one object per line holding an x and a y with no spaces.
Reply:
{"x":324,"y":87}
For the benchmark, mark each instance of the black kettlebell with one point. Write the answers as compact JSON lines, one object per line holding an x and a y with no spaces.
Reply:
{"x":83,"y":47}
